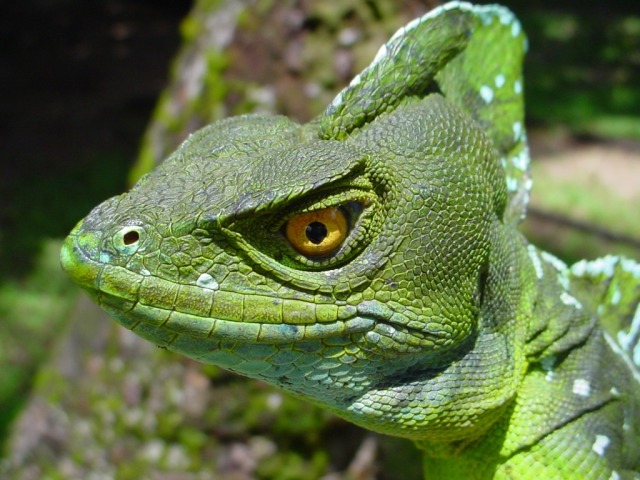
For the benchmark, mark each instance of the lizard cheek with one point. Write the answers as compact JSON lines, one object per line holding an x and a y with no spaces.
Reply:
{"x":317,"y":233}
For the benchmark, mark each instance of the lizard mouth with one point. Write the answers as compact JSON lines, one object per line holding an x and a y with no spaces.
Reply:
{"x":141,"y":301}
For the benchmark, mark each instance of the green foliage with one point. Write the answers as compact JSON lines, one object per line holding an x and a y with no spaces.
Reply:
{"x":290,"y":466}
{"x":582,"y":71}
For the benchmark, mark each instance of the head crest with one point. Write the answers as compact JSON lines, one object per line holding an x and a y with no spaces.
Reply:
{"x":471,"y":54}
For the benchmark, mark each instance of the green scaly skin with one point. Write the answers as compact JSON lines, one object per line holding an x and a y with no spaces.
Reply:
{"x":434,"y":319}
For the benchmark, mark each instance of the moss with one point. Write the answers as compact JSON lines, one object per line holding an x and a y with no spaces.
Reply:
{"x":292,"y":466}
{"x":32,"y":310}
{"x":215,"y":86}
{"x":192,"y":438}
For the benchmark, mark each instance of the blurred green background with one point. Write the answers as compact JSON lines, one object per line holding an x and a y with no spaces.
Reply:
{"x":80,"y":80}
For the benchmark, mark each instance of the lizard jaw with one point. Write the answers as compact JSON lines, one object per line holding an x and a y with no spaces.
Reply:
{"x":143,"y":301}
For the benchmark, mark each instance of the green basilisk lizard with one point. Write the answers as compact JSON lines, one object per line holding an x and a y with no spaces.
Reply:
{"x":369,"y":262}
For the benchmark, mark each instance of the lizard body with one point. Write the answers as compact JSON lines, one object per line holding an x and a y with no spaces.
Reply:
{"x":370,"y":262}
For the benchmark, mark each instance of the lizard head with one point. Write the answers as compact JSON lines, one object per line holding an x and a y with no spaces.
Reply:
{"x":349,"y":271}
{"x":328,"y":268}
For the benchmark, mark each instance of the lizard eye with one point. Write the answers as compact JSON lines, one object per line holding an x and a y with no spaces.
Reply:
{"x":317,"y":233}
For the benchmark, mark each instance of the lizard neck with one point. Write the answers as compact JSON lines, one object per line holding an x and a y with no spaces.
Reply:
{"x":559,"y":388}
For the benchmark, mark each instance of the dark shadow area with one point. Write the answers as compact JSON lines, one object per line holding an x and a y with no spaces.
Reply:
{"x":79,"y":81}
{"x":582,"y":67}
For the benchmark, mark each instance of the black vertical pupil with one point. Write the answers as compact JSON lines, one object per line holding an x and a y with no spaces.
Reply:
{"x":316,"y":232}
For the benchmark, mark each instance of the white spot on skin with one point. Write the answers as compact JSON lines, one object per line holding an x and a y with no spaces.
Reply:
{"x":558,"y":264}
{"x":563,"y":279}
{"x":355,"y":81}
{"x":563,"y":273}
{"x":500,"y":80}
{"x":515,"y":28}
{"x":579,"y":269}
{"x":614,"y":475}
{"x":517,"y":130}
{"x":614,"y":391}
{"x":537,"y":264}
{"x":615,"y":298}
{"x":486,"y":19}
{"x":338,"y":100}
{"x":581,"y":387}
{"x":206,"y":281}
{"x":383,"y":51}
{"x":506,"y":17}
{"x":601,"y":444}
{"x":403,"y":30}
{"x":145,"y":272}
{"x":521,"y":161}
{"x":517,"y":87}
{"x":625,"y":358}
{"x":630,"y":266}
{"x":600,"y":266}
{"x":486,"y":93}
{"x":413,"y":24}
{"x":627,"y":340}
{"x":528,"y":184}
{"x":570,"y":300}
